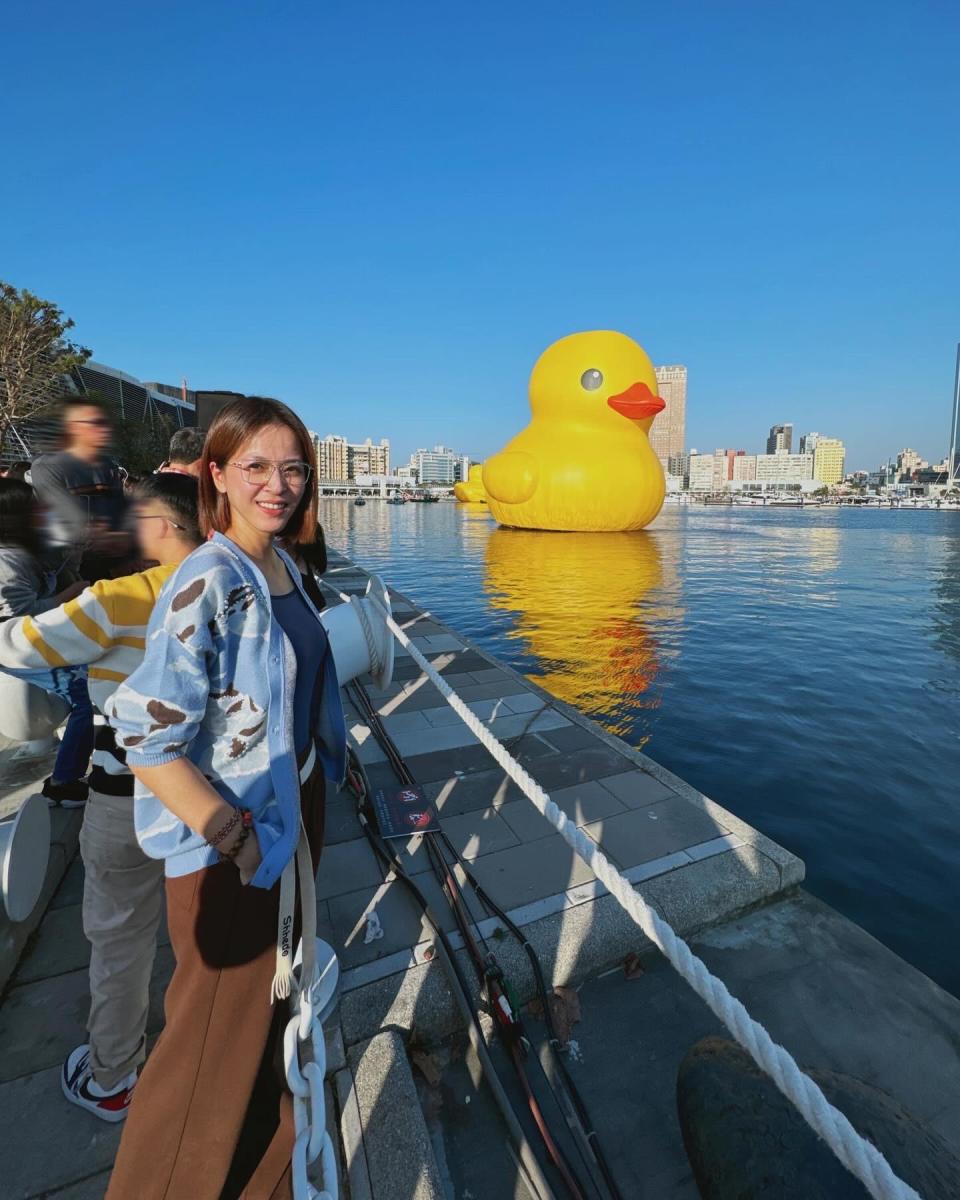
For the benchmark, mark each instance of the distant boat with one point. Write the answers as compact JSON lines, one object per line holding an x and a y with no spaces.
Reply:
{"x":359,"y":502}
{"x":395,"y":500}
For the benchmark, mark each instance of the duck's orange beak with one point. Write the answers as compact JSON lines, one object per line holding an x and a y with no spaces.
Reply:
{"x":637,"y":403}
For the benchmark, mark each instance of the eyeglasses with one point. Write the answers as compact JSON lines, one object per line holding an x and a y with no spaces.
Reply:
{"x":157,"y":517}
{"x":102,"y":422}
{"x":258,"y":472}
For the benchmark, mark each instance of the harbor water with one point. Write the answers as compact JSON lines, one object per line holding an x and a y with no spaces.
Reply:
{"x":801,"y":667}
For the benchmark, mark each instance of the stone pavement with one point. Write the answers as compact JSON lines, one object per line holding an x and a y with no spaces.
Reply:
{"x":696,"y":862}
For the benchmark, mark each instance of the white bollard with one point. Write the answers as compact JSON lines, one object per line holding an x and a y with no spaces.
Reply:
{"x":27,"y":712}
{"x":359,"y":638}
{"x":24,"y":853}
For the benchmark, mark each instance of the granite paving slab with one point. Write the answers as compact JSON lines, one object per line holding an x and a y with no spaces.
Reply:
{"x":530,"y":871}
{"x":39,"y":1156}
{"x":473,"y":834}
{"x":637,"y":788}
{"x":465,"y":793}
{"x":644,"y":833}
{"x":346,"y":867}
{"x":70,"y":890}
{"x":400,"y":919}
{"x":582,"y":803}
{"x":42,"y":1021}
{"x":60,"y":946}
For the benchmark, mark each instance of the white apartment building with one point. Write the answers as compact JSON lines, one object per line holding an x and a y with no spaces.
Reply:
{"x":784,"y":467}
{"x":439,"y":465}
{"x":744,"y":467}
{"x":702,"y":473}
{"x":338,"y":459}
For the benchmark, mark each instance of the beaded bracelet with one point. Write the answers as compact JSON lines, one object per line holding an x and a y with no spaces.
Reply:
{"x":231,"y":854}
{"x":227,"y":828}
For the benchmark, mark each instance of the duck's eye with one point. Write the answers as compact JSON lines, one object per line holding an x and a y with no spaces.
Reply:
{"x":591,"y":380}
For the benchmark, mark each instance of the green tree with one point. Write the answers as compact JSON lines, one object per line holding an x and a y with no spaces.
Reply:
{"x":34,"y":355}
{"x":138,"y":446}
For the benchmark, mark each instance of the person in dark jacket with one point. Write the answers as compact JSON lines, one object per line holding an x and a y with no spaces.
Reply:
{"x":81,"y":488}
{"x":28,"y":587}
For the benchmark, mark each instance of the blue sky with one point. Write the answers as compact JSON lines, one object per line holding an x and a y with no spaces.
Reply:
{"x":382,"y":213}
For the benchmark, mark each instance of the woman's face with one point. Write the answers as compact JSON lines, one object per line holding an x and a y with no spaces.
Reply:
{"x":263,"y":508}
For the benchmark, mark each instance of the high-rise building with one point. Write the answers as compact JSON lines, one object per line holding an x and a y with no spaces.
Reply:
{"x":332,"y":458}
{"x":828,"y":460}
{"x":461,"y":468}
{"x":364,"y":458}
{"x":668,"y":432}
{"x":909,"y":461}
{"x":701,"y":473}
{"x":783,"y":467}
{"x":745,"y":467}
{"x":438,"y":465}
{"x":679,"y":465}
{"x":808,"y":442}
{"x":338,"y":459}
{"x":780,"y":439}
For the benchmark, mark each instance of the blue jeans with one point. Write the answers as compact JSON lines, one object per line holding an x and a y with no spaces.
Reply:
{"x":76,"y":745}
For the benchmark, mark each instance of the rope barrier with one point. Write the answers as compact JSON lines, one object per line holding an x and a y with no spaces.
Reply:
{"x":858,"y":1155}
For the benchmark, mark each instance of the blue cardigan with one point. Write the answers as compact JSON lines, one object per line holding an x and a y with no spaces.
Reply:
{"x":216,"y":686}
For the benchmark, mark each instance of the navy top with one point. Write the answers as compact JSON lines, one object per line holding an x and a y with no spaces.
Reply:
{"x":309,"y":639}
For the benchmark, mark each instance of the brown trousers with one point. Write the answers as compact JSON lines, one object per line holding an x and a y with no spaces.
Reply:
{"x":211,"y":1118}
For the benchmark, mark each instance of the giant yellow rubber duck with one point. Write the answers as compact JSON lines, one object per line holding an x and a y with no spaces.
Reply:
{"x":584,"y":462}
{"x":471,"y":490}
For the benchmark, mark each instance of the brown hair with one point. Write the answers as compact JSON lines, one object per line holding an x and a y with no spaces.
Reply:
{"x":235,"y":424}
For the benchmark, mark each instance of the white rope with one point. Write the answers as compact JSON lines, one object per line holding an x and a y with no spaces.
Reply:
{"x":859,"y":1156}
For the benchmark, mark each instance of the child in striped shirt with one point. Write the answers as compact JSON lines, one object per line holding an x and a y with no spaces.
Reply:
{"x":105,"y":629}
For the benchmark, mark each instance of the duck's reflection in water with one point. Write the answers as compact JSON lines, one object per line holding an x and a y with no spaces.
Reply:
{"x":584,"y":604}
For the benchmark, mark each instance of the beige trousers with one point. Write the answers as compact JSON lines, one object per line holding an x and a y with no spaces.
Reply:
{"x":122,"y":906}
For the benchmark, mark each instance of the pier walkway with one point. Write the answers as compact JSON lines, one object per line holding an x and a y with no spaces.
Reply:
{"x":699,"y":865}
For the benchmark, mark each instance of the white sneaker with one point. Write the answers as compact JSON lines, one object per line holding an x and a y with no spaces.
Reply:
{"x":80,"y":1087}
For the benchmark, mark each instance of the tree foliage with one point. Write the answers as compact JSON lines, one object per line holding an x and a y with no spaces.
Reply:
{"x":138,"y":446}
{"x":34,"y":355}
{"x":141,"y":448}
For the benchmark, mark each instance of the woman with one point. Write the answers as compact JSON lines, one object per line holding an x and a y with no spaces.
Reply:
{"x":229,"y":726}
{"x":27,"y":587}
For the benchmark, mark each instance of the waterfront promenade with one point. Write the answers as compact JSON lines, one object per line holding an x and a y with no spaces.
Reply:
{"x":808,"y":973}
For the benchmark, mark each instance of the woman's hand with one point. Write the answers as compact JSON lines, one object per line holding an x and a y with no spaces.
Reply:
{"x":248,"y":857}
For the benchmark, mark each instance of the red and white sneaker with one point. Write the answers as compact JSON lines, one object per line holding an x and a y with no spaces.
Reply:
{"x":80,"y":1087}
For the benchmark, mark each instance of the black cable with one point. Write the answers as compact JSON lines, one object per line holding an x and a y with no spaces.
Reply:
{"x":555,"y":1043}
{"x":589,"y":1133}
{"x":463,"y":997}
{"x":447,"y":878}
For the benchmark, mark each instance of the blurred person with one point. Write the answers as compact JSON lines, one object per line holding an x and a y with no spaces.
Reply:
{"x":186,"y":450}
{"x":230,"y":725}
{"x":104,"y":629}
{"x":28,"y":587}
{"x":81,"y":487}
